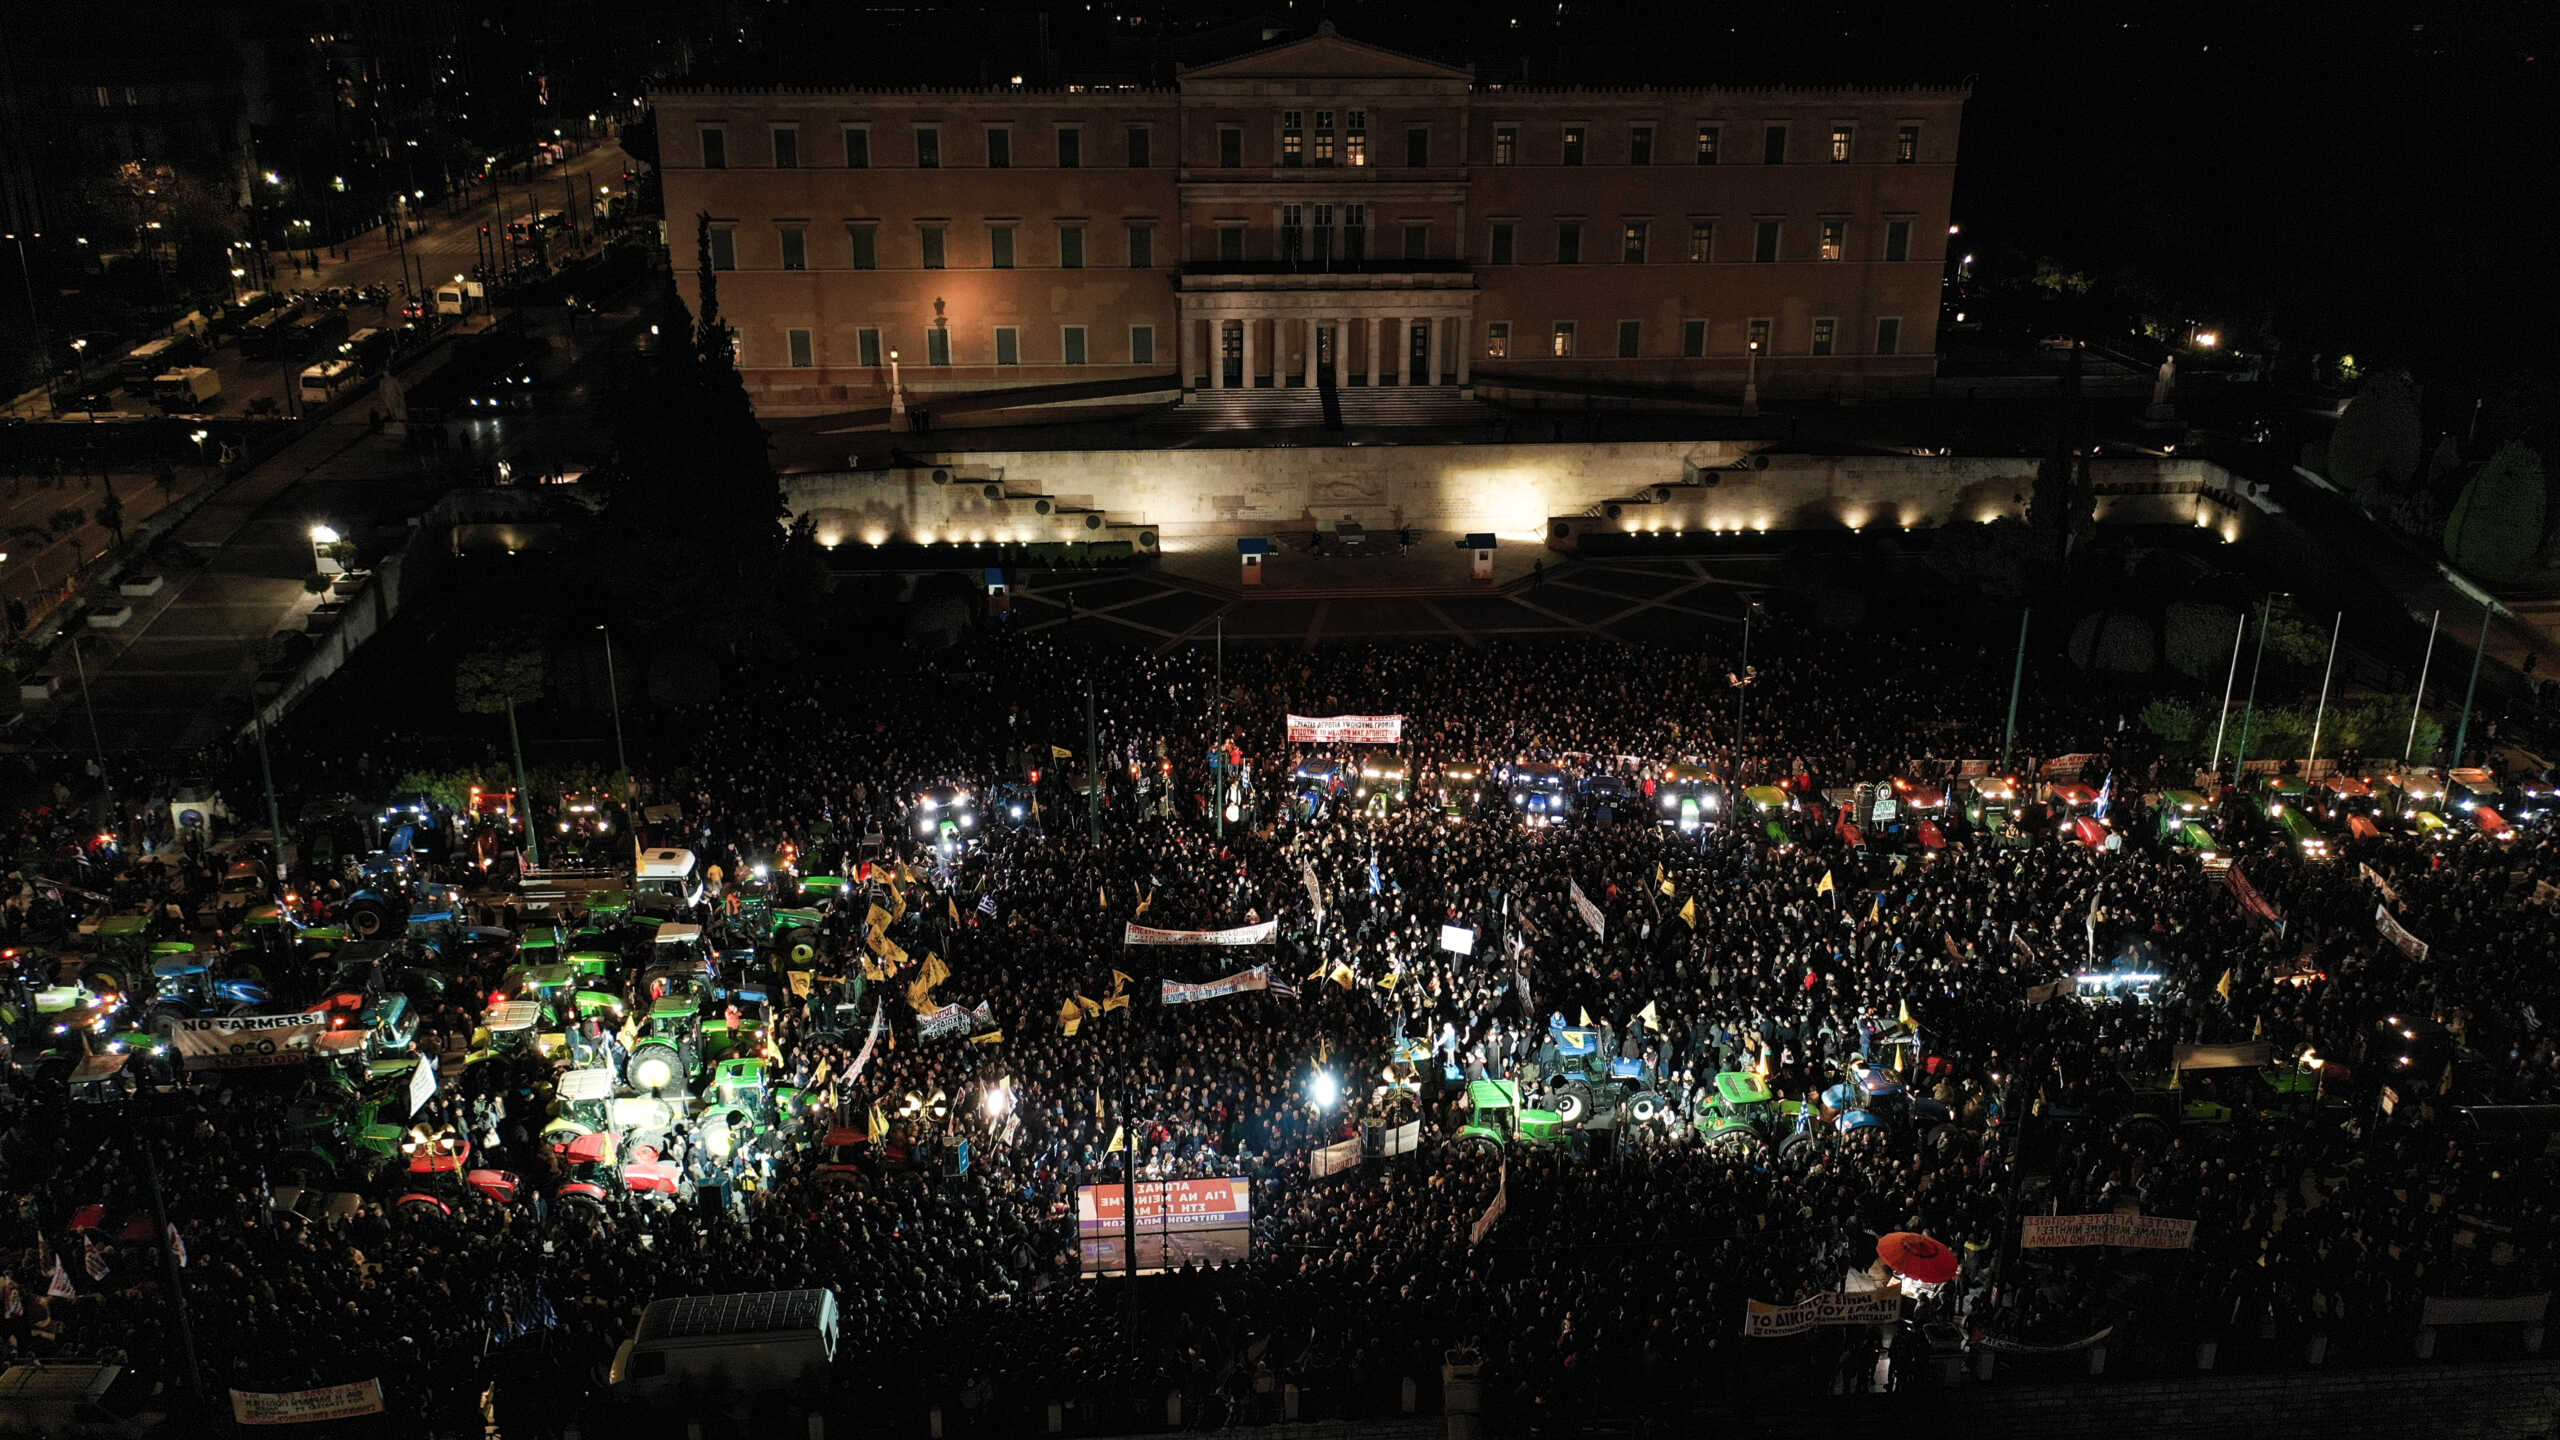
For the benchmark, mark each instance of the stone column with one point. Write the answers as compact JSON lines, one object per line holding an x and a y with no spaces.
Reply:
{"x":1217,"y":351}
{"x":1250,"y":324}
{"x":1313,"y":326}
{"x":1376,"y":324}
{"x":1186,"y":343}
{"x":1465,"y":326}
{"x":1439,"y":323}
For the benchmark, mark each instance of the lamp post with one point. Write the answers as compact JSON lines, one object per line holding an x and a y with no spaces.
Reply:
{"x":27,"y":282}
{"x":1751,"y":381}
{"x":323,"y":536}
{"x":613,"y":689}
{"x":79,"y":361}
{"x":897,"y":396}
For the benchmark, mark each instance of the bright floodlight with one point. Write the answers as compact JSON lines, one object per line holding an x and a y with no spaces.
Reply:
{"x":323,"y":535}
{"x":1325,"y":1089}
{"x":654,"y":1073}
{"x":998,"y":1102}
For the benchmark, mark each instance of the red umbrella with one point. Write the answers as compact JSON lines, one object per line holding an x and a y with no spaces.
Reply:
{"x":1918,"y":1257}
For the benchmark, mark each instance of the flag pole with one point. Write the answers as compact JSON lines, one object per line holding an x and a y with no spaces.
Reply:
{"x":2239,"y":633}
{"x":2017,"y":676}
{"x":2420,"y":699}
{"x":2462,"y":732}
{"x":2320,"y":716}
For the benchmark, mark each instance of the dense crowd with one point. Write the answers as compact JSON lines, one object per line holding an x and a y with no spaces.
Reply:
{"x":1616,"y":1274}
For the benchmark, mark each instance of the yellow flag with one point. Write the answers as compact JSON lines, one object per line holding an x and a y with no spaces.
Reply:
{"x":953,"y":906}
{"x":1056,"y":753}
{"x":1389,"y":980}
{"x":1119,"y":1141}
{"x":1119,"y":981}
{"x":879,"y":1127}
{"x":897,"y":902}
{"x":800,"y":980}
{"x":1087,"y":1004}
{"x":1763,"y":1066}
{"x":1582,"y":1018}
{"x":992,"y":1037}
{"x":1101,"y":898}
{"x":1345,"y":977}
{"x":1825,"y":887}
{"x":2258,"y":1028}
{"x":1666,"y":886}
{"x":876,"y":919}
{"x":1903,"y":1016}
{"x":1650,"y":1019}
{"x":1146,"y":900}
{"x":1317,"y":973}
{"x":890,"y":950}
{"x":2222,"y":987}
{"x":1116,"y":1002}
{"x":906,"y":872}
{"x":1875,"y":911}
{"x":1070,"y":1018}
{"x":1097,"y":1104}
{"x":1689,"y":912}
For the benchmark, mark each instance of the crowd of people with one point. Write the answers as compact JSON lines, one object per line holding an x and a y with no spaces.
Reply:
{"x":1615,"y":1273}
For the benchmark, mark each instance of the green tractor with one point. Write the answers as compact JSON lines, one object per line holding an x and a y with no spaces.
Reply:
{"x":1499,"y":1120}
{"x":663,"y":1061}
{"x":1738,"y":1115}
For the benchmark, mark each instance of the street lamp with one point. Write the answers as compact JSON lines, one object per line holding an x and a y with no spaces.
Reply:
{"x":200,"y":437}
{"x":897,"y":396}
{"x":322,"y":536}
{"x":1751,"y":381}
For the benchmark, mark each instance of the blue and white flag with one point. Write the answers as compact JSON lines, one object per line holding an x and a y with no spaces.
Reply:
{"x":1377,"y":882}
{"x":2106,"y":795}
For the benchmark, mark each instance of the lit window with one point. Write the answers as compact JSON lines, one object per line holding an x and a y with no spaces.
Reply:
{"x":1324,"y":137}
{"x":1824,"y":329}
{"x":1839,"y":144}
{"x":1702,"y":241}
{"x":1506,"y":145}
{"x":1758,"y":339}
{"x":1708,"y":136}
{"x":1497,"y":340}
{"x":1293,"y":138}
{"x":1573,"y":137}
{"x":1835,"y":239}
{"x":1355,"y":137}
{"x":1633,"y":249}
{"x":1906,"y":145}
{"x":1563,"y":342}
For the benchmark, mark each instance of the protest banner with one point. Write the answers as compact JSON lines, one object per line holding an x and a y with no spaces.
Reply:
{"x":1591,"y":915}
{"x":2485,"y":1310}
{"x":1135,"y":934}
{"x":2374,"y":878}
{"x":1346,"y":730}
{"x":242,"y":1042}
{"x":422,"y":1084}
{"x":1457,"y":939}
{"x":2398,"y":934}
{"x":297,"y":1407}
{"x":1333,"y":1159}
{"x":1493,"y":1211}
{"x":2132,"y":1232}
{"x":2251,"y":901}
{"x":1257,"y":978}
{"x":1764,"y":1321}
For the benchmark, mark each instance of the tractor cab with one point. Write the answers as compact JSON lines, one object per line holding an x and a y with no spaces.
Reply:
{"x":2412,"y":795}
{"x":665,"y":883}
{"x":415,"y":826}
{"x":1688,"y":798}
{"x":946,"y":817}
{"x":1314,"y":784}
{"x":1385,"y":784}
{"x":1460,"y":790}
{"x":1498,"y":1119}
{"x":1769,"y":807}
{"x":2073,"y":809}
{"x":1602,"y":799}
{"x":1737,"y":1114}
{"x":1539,"y":794}
{"x":2349,"y":804}
{"x":1990,"y":804}
{"x":663,"y":1061}
{"x":2530,"y":797}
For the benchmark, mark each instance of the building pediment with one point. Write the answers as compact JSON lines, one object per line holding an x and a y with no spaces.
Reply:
{"x":1326,"y":55}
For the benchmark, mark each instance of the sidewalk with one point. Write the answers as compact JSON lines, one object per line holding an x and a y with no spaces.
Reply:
{"x":41,"y":569}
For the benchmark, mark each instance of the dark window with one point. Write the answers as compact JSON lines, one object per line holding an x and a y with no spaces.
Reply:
{"x":999,"y":149}
{"x":1568,"y":243}
{"x":1702,"y":240}
{"x":1693,"y":338}
{"x":866,"y":247}
{"x":1417,"y":147}
{"x":1764,"y":242}
{"x":1708,"y":137}
{"x":1501,"y":242}
{"x":929,"y":153}
{"x":724,"y":249}
{"x":1640,"y":145}
{"x":857,"y":149}
{"x":1759,"y":337}
{"x":1630,"y":339}
{"x":795,"y":248}
{"x":931,"y":241}
{"x":1070,"y":149}
{"x":1000,"y":246}
{"x":1071,"y":345}
{"x":1897,"y":239}
{"x":803,"y":355}
{"x":1638,"y":232}
{"x":1417,"y":242}
{"x":867,"y":345}
{"x":1008,"y":345}
{"x":937,"y":346}
{"x":1823,"y":331}
{"x":715,"y":149}
{"x":1230,"y":148}
{"x":1142,"y":344}
{"x":786,"y":149}
{"x":1138,"y":146}
{"x":1070,"y":247}
{"x":1573,"y":138}
{"x":1230,"y":242}
{"x":1773,"y":145}
{"x":1142,"y":246}
{"x":1889,"y":335}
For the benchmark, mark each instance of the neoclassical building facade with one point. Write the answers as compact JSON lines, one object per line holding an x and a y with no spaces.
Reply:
{"x":1317,"y":212}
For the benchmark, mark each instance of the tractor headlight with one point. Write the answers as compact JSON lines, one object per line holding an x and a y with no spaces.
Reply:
{"x":925,"y":826}
{"x":654,"y":1072}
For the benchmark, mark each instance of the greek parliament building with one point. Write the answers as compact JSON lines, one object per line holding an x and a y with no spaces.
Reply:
{"x":1316,"y":212}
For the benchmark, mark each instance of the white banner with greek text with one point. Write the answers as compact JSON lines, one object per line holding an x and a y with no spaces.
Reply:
{"x":2133,"y":1232}
{"x":1346,"y":729}
{"x":1240,"y":935}
{"x":1764,"y":1321}
{"x":296,"y":1407}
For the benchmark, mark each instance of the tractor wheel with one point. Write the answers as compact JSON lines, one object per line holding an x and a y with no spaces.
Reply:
{"x":2147,"y":1133}
{"x":1741,"y":1141}
{"x":163,"y":1023}
{"x":1646,"y":1106}
{"x":1571,"y":1102}
{"x":366,"y":919}
{"x":1802,"y":1147}
{"x":1476,"y":1142}
{"x":103,"y":979}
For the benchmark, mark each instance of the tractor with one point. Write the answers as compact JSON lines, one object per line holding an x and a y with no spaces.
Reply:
{"x":1499,"y":1120}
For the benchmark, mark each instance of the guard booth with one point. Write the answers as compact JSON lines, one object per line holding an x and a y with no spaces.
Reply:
{"x":1252,"y":554}
{"x":1482,"y":544}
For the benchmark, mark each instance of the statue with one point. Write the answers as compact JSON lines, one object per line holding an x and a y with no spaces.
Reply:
{"x":2168,"y":382}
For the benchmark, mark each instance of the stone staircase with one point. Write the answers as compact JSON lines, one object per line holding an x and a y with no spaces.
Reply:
{"x":1210,"y":412}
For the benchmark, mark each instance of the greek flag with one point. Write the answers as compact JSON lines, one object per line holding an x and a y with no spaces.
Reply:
{"x":987,"y":904}
{"x":2106,"y":795}
{"x":1377,"y":882}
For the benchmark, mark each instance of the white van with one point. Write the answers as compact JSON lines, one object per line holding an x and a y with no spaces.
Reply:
{"x":322,"y":382}
{"x":458,"y":297}
{"x":191,"y":388}
{"x":775,"y":1342}
{"x":665,"y":881}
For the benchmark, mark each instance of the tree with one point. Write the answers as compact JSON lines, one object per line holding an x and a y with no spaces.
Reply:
{"x":1992,"y":558}
{"x":2294,"y":637}
{"x":2496,"y":527}
{"x":2111,"y":642}
{"x":2196,"y":639}
{"x":111,"y":513}
{"x":2375,"y":449}
{"x":2174,"y":722}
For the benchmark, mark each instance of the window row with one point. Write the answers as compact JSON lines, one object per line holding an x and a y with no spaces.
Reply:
{"x":1644,"y":144}
{"x":1069,"y":247}
{"x":1323,"y":232}
{"x":1823,"y":336}
{"x":1004,"y":345}
{"x":1319,"y":139}
{"x":927,"y":147}
{"x":1639,"y":243}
